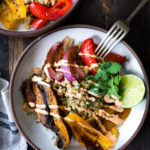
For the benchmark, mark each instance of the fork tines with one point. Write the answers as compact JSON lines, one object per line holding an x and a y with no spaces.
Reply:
{"x":117,"y":32}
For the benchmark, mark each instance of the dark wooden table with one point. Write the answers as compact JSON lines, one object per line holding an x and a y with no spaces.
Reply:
{"x":102,"y":13}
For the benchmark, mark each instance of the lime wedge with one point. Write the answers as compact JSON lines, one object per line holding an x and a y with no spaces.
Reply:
{"x":132,"y":90}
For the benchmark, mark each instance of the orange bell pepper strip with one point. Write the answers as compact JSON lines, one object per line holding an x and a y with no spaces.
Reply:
{"x":86,"y":135}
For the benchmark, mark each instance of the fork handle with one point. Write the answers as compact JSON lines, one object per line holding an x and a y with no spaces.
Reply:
{"x":138,"y":8}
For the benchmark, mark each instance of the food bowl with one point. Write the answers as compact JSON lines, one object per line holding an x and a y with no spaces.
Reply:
{"x":22,"y":32}
{"x":34,"y":55}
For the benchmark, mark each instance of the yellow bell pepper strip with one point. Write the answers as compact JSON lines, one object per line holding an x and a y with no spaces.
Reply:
{"x":6,"y":18}
{"x":114,"y":132}
{"x":18,"y":8}
{"x":86,"y":135}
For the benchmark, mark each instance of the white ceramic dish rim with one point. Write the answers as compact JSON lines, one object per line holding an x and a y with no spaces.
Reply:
{"x":77,"y":26}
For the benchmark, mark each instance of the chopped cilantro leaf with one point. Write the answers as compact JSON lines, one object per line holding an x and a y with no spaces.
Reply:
{"x":105,"y":65}
{"x":101,"y":74}
{"x":98,"y":74}
{"x":117,"y":79}
{"x":104,"y":75}
{"x":113,"y":68}
{"x":113,"y":90}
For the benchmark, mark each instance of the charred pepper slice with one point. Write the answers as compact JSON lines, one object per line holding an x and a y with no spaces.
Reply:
{"x":52,"y":13}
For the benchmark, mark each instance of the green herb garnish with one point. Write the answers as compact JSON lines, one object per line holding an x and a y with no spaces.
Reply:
{"x":107,"y":78}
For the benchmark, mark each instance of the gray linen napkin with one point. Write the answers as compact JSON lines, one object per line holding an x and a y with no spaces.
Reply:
{"x":10,"y":138}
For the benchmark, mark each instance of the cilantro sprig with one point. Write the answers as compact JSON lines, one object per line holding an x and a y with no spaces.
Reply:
{"x":107,"y":78}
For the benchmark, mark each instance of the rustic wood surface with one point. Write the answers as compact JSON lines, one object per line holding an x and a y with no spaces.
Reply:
{"x":102,"y":13}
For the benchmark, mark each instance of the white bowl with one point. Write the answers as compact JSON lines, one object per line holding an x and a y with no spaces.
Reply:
{"x":34,"y":55}
{"x":22,"y":32}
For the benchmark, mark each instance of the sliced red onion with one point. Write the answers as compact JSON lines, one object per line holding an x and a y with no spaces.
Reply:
{"x":67,"y":56}
{"x":55,"y":54}
{"x":50,"y":60}
{"x":72,"y":73}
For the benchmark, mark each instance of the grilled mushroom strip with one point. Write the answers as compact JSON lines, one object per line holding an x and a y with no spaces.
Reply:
{"x":43,"y":114}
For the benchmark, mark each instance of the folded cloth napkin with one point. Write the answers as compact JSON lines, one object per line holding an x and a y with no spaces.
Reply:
{"x":10,"y":138}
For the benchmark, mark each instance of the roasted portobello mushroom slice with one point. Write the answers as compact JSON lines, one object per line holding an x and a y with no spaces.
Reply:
{"x":42,"y":108}
{"x":50,"y":118}
{"x":28,"y":92}
{"x":29,"y":96}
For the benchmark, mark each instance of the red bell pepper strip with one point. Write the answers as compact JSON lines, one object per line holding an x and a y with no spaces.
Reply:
{"x":52,"y":13}
{"x":38,"y":23}
{"x":88,"y":47}
{"x":115,"y":57}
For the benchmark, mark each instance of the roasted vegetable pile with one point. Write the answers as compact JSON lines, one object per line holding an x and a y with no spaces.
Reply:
{"x":76,"y":93}
{"x":36,"y":13}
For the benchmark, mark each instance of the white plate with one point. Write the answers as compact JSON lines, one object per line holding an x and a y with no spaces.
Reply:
{"x":34,"y":56}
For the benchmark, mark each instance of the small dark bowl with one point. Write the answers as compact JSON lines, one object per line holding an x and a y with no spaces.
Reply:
{"x":46,"y":28}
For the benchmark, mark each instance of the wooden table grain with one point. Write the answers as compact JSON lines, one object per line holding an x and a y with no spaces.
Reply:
{"x":101,"y":13}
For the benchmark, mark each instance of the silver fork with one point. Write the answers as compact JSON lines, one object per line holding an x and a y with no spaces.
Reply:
{"x":117,"y":32}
